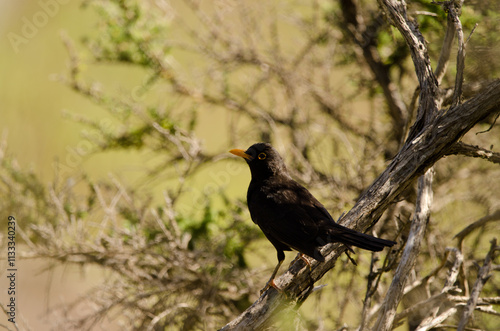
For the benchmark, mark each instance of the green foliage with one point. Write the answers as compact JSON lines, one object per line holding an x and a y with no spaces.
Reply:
{"x":223,"y":229}
{"x":130,"y":139}
{"x":126,"y":27}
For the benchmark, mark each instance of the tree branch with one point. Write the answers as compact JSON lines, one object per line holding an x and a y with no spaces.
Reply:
{"x":434,"y":315}
{"x":477,"y":224}
{"x":461,"y":148}
{"x":365,"y":38}
{"x":454,"y":11}
{"x":444,"y":56}
{"x":482,"y":278}
{"x":429,"y":103}
{"x":412,"y":250}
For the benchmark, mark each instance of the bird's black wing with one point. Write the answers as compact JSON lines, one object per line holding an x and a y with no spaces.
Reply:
{"x":287,"y":212}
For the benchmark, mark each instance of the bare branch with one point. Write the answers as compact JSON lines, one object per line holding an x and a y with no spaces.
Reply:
{"x":433,"y":312}
{"x":364,"y":36}
{"x":482,"y":278}
{"x":429,"y":324}
{"x":444,"y":57}
{"x":461,"y":148}
{"x":477,"y":224}
{"x":454,"y":11}
{"x":412,"y":249}
{"x":429,"y":104}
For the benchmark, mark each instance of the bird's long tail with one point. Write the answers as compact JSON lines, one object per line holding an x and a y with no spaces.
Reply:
{"x":351,"y":237}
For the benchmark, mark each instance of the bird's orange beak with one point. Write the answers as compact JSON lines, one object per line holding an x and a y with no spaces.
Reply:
{"x":240,"y":153}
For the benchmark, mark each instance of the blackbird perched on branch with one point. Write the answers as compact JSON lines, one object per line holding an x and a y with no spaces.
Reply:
{"x":289,"y":215}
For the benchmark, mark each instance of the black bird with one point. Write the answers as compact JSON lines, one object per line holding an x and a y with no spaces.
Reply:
{"x":289,"y":215}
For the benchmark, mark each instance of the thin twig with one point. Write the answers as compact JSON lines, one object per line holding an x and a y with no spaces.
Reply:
{"x":495,"y":216}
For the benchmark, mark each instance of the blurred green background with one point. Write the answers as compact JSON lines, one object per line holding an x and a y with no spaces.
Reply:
{"x":36,"y":123}
{"x":33,"y":102}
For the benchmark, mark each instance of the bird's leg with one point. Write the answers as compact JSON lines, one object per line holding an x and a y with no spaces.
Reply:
{"x":270,"y":282}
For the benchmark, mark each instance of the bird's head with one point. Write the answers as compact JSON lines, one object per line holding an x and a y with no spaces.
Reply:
{"x":263,"y":160}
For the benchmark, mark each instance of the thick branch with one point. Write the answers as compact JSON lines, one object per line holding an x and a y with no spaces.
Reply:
{"x":419,"y":154}
{"x":429,"y":103}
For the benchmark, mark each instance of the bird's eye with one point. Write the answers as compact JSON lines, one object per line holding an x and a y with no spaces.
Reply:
{"x":262,"y":156}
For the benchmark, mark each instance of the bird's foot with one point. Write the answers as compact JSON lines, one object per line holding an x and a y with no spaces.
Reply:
{"x":270,"y":284}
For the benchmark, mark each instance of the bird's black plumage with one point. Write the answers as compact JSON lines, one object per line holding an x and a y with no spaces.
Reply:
{"x":288,"y":214}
